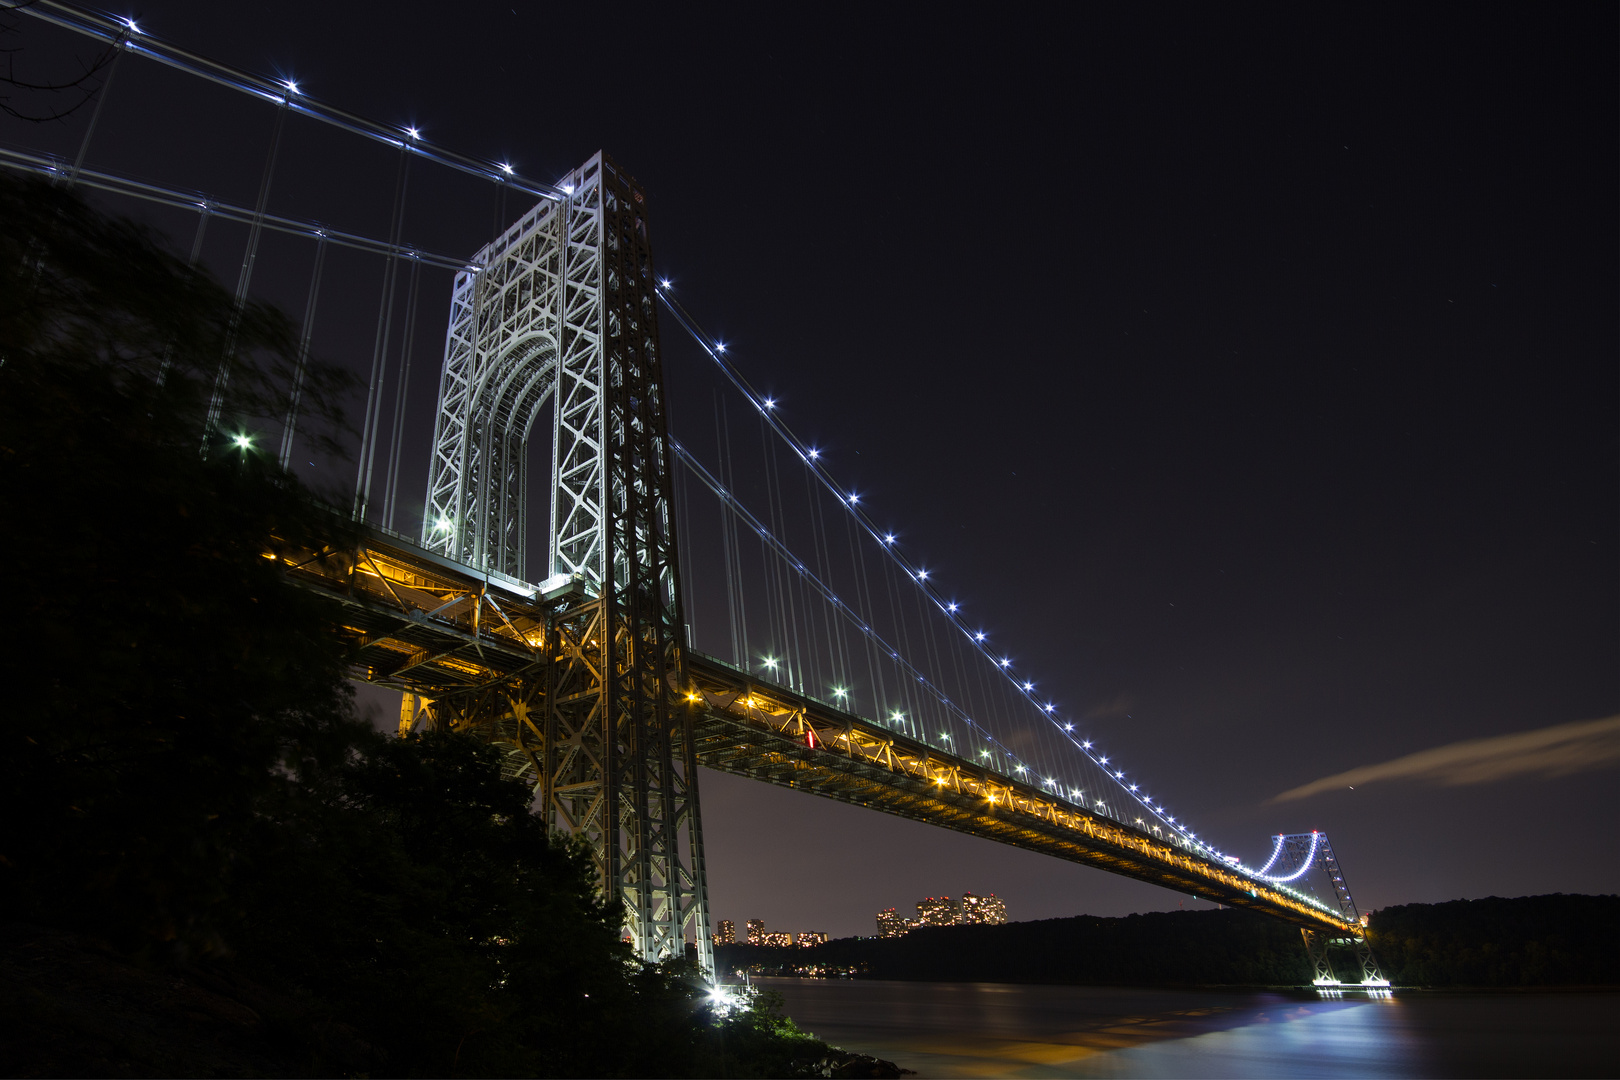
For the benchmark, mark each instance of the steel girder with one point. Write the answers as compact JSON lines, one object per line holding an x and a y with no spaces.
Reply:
{"x":562,"y":310}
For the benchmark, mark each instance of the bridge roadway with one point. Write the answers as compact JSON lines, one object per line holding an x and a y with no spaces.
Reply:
{"x":436,"y":629}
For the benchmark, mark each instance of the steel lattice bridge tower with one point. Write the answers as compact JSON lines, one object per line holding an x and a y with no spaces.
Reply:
{"x":561,"y":313}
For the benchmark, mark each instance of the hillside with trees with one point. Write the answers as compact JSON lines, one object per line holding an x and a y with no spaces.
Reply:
{"x":1530,"y":941}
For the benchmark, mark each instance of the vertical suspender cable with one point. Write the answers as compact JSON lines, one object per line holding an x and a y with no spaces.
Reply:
{"x":790,"y":570}
{"x":932,"y":652}
{"x":864,"y":591}
{"x":902,"y":641}
{"x":779,"y":567}
{"x":244,"y":278}
{"x":964,"y":688}
{"x":396,"y":446}
{"x":989,"y":713}
{"x":203,"y":214}
{"x":95,"y":114}
{"x":725,"y":535}
{"x":776,"y":607}
{"x":379,"y":349}
{"x":684,"y":545}
{"x":297,"y":393}
{"x":835,"y":625}
{"x":740,"y":593}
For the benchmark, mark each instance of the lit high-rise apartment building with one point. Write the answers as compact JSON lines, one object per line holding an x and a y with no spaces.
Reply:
{"x":775,"y":940}
{"x":983,"y":909}
{"x":809,"y":939}
{"x":938,"y":911}
{"x":727,"y":934}
{"x":756,"y":930}
{"x":890,"y":923}
{"x":944,"y":911}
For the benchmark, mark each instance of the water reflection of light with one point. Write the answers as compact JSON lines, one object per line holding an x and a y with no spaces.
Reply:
{"x":1354,"y":1038}
{"x":986,"y":1029}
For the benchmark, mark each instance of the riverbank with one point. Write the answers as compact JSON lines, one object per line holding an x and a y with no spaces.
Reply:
{"x":1523,"y":942}
{"x":958,"y":1029}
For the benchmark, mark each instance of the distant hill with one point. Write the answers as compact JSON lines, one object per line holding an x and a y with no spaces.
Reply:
{"x":1555,"y":940}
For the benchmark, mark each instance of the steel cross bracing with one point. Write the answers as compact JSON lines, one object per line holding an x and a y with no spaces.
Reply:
{"x":560,"y":312}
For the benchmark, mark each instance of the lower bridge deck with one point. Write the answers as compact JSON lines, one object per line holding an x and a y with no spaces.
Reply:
{"x":433,"y":628}
{"x":766,"y":732}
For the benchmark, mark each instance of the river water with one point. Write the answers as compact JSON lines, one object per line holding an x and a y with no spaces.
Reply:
{"x":994,"y":1029}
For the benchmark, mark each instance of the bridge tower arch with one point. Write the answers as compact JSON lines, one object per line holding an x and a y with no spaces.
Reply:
{"x":561,"y":310}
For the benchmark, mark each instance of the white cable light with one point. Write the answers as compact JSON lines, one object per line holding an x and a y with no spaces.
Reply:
{"x":1304,"y":868}
{"x":1276,"y":852}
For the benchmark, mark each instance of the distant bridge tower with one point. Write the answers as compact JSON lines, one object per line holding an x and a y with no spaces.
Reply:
{"x":1310,"y":851}
{"x":560,"y":310}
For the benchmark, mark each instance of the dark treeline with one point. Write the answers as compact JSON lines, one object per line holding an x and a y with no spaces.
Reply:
{"x":1553,"y":940}
{"x":210,"y":864}
{"x":1192,"y":947}
{"x":1556,"y":940}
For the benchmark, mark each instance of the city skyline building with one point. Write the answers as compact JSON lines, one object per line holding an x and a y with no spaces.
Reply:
{"x":809,"y":939}
{"x":756,"y":934}
{"x":938,"y":911}
{"x":944,"y":911}
{"x":991,"y":910}
{"x":890,"y":923}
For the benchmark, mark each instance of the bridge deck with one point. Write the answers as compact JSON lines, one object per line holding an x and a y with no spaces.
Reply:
{"x":756,"y":729}
{"x":424,"y":624}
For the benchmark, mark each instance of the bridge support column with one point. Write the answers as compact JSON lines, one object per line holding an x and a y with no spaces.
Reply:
{"x":618,"y":767}
{"x":1370,"y":975}
{"x":560,"y":313}
{"x":1316,"y":947}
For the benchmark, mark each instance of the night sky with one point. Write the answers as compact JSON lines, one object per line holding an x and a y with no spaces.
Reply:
{"x":1252,"y":372}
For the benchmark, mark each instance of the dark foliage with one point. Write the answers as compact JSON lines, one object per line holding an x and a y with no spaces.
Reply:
{"x":1554,"y":940}
{"x":47,"y":98}
{"x":182,"y":774}
{"x":162,"y":683}
{"x":413,"y":891}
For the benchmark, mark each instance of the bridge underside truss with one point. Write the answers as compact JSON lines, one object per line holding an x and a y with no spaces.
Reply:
{"x":767,"y":732}
{"x":479,"y":654}
{"x":561,"y":686}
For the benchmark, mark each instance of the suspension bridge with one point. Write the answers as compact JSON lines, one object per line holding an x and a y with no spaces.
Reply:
{"x":717,"y":600}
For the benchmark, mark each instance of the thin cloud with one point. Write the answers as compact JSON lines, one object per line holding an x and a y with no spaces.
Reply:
{"x":1559,"y":750}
